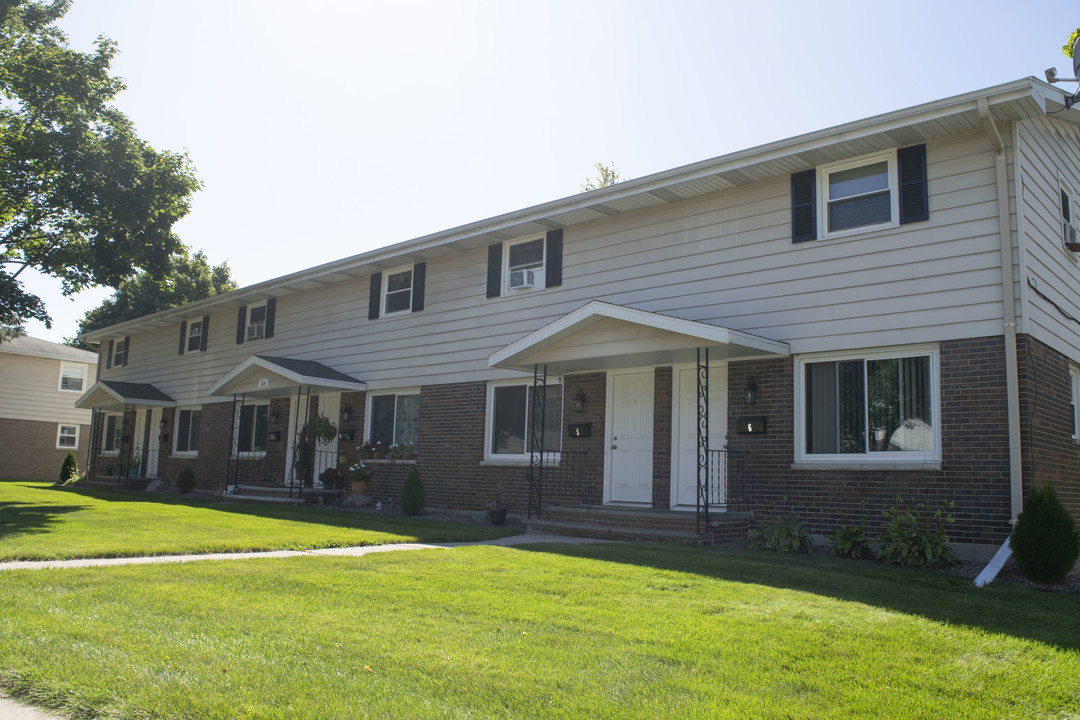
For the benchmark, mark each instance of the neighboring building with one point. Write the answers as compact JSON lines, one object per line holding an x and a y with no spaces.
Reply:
{"x":889,"y":307}
{"x":39,"y":384}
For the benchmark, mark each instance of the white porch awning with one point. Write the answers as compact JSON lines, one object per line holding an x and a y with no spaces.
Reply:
{"x":263,"y":376}
{"x":604,"y":336}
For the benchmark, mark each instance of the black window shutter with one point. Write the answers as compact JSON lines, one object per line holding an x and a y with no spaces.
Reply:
{"x":241,"y":322}
{"x":914,"y":202}
{"x":374,"y":296}
{"x":494,"y":275}
{"x":419,"y":275}
{"x":553,"y":268}
{"x":271,"y":313}
{"x":803,"y":206}
{"x":205,"y":332}
{"x":1065,"y":214}
{"x":127,"y":349}
{"x":183,"y":336}
{"x":108,"y":357}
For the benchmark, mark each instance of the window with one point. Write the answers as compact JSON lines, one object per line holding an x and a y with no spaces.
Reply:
{"x":1074,"y":391}
{"x":67,"y":437}
{"x":72,"y":377}
{"x":251,"y":428}
{"x":110,"y":440}
{"x":881,"y":190}
{"x":187,"y":430}
{"x":859,"y":194}
{"x":394,"y":419}
{"x":878,"y":407}
{"x":194,"y":336}
{"x":1070,"y":227}
{"x":525,"y":264}
{"x":397,"y":297}
{"x":509,"y":420}
{"x":255,"y":322}
{"x":119,"y":353}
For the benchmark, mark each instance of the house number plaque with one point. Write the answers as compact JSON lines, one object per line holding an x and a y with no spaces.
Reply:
{"x":579,"y":429}
{"x":753,"y":426}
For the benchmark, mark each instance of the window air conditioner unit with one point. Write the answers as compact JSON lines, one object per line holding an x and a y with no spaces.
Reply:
{"x":255,"y":331}
{"x":1072,"y":237}
{"x":521,"y":279}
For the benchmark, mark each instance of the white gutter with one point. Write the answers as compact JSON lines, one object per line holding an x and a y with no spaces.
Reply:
{"x":1012,"y":385}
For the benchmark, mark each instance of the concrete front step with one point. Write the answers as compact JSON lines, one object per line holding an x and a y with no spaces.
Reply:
{"x":277,"y":494}
{"x":263,"y":499}
{"x":628,"y":523}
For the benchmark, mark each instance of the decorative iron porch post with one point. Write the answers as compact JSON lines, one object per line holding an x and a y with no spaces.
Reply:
{"x":702,"y":438}
{"x":535,"y":434}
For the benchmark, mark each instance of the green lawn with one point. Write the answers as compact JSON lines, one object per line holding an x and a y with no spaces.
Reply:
{"x":546,"y":631}
{"x":39,"y":521}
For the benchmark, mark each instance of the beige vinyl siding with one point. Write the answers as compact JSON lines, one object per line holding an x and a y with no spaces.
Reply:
{"x":1049,"y":151}
{"x":726,"y":259}
{"x":29,"y":390}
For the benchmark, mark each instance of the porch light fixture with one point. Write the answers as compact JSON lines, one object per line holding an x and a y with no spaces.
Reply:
{"x":750,"y":392}
{"x":346,"y":413}
{"x":274,"y":416}
{"x":163,"y":424}
{"x":579,"y":400}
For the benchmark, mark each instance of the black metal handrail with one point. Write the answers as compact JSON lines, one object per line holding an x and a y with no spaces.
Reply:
{"x":561,"y":480}
{"x":724,"y":466}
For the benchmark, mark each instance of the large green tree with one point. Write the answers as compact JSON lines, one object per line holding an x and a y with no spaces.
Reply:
{"x":82,"y":198}
{"x":188,"y":279}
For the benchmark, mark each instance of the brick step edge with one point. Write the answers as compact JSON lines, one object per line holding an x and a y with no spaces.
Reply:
{"x":263,"y":499}
{"x":606,"y":532}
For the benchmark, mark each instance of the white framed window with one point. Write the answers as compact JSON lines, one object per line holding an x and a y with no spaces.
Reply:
{"x":119,"y":351}
{"x":72,"y":377}
{"x":508,"y":422}
{"x":1070,"y":223}
{"x":523,"y":265}
{"x":858,"y":193}
{"x":112,"y":429}
{"x":397,"y":291}
{"x":393,"y":418}
{"x":67,"y":437}
{"x":194,"y":336}
{"x":256,"y":323}
{"x":868,"y":407}
{"x":186,"y":437}
{"x":1074,"y":393}
{"x":252,"y":423}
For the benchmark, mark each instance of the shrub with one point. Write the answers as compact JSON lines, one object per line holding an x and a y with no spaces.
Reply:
{"x":851,"y":542}
{"x":412,"y":493}
{"x":786,"y":534}
{"x":916,"y":538}
{"x":1045,"y":542}
{"x":186,"y":482}
{"x":69,"y":469}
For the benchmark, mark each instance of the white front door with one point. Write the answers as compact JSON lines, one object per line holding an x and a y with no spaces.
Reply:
{"x":684,"y":458}
{"x":629,"y":470}
{"x":326,"y":455}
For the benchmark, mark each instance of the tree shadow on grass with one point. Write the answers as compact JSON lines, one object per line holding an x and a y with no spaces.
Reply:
{"x":1050,"y":618}
{"x":18,"y":518}
{"x":429,"y":530}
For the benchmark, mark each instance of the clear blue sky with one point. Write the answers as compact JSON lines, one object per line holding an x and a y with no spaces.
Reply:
{"x":331,"y":127}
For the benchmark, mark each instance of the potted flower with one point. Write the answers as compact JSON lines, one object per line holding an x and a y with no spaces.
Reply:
{"x":331,"y":478}
{"x":402,"y":451}
{"x":367,"y":451}
{"x":359,"y":476}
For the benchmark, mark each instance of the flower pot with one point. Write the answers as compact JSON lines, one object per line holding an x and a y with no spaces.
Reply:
{"x":497,"y":515}
{"x":359,"y":487}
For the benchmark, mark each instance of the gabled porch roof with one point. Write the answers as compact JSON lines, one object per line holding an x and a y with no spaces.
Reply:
{"x":114,"y":395}
{"x":604,"y":336}
{"x":264,"y":376}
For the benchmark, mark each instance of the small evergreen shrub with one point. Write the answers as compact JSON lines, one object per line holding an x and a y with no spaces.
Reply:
{"x":412,"y":493}
{"x":851,"y":541}
{"x":915,"y":537}
{"x":69,"y":469}
{"x":1045,"y":542}
{"x":186,"y":482}
{"x":786,"y":534}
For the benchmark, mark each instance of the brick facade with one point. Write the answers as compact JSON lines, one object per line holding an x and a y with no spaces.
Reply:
{"x":35,"y":455}
{"x":661,"y":469}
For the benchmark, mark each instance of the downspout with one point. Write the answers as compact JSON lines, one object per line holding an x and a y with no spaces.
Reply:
{"x":1012,"y":383}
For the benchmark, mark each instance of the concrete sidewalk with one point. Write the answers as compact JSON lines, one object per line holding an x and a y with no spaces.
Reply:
{"x":11,"y":709}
